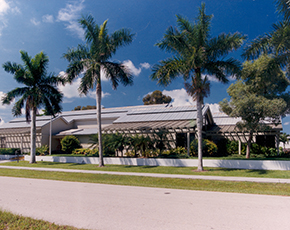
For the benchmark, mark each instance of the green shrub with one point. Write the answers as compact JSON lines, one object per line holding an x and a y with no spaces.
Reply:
{"x":86,"y":152}
{"x":69,"y":143}
{"x":233,"y":147}
{"x":179,"y":152}
{"x":209,"y":148}
{"x":8,"y":151}
{"x":43,"y":150}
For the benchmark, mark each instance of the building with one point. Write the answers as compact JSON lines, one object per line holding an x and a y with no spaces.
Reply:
{"x":179,"y":122}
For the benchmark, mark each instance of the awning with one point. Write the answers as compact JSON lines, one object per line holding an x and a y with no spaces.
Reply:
{"x":171,"y":126}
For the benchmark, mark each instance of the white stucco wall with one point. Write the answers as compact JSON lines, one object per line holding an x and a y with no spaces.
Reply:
{"x":238,"y":164}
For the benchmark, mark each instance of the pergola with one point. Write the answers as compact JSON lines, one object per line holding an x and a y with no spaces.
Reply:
{"x":149,"y":128}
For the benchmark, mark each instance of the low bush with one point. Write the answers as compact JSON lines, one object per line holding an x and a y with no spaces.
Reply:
{"x":179,"y":152}
{"x":69,"y":143}
{"x":86,"y":152}
{"x":9,"y":151}
{"x":209,"y":148}
{"x":42,"y":151}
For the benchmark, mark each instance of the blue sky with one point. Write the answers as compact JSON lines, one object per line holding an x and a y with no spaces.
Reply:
{"x":52,"y":27}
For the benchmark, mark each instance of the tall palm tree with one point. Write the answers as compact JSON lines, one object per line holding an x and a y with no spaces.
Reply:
{"x":196,"y":54}
{"x":40,"y":91}
{"x":93,"y":57}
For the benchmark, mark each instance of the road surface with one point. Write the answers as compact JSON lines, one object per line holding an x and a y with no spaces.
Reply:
{"x":98,"y":206}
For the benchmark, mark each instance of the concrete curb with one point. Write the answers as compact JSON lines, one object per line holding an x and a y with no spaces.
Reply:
{"x":199,"y":177}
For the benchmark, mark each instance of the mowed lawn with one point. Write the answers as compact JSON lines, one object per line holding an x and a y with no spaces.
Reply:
{"x":190,"y":184}
{"x":159,"y":169}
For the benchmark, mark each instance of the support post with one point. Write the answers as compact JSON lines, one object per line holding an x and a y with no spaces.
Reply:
{"x":277,"y":144}
{"x":50,"y":130}
{"x":240,"y":147}
{"x":188,"y":143}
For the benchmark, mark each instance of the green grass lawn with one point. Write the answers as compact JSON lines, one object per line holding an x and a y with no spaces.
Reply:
{"x":16,"y":222}
{"x":189,"y":184}
{"x":160,"y":169}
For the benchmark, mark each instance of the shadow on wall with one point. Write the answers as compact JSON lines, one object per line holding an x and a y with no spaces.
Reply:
{"x":253,"y":164}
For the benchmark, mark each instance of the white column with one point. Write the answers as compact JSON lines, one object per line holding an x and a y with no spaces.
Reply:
{"x":240,"y":147}
{"x":188,"y":143}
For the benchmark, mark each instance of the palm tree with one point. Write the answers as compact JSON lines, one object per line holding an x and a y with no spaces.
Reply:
{"x":196,"y":54}
{"x":40,"y":91}
{"x":276,"y":42}
{"x":94,"y":57}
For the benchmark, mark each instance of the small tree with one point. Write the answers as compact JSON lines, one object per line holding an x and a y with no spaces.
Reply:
{"x":156,"y":98}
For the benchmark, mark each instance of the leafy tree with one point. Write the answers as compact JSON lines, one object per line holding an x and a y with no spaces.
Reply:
{"x":84,"y":107}
{"x":283,"y":7}
{"x":284,"y":138}
{"x":195,"y":56}
{"x":93,"y":58}
{"x":156,"y":98}
{"x":40,"y":91}
{"x":258,"y":97}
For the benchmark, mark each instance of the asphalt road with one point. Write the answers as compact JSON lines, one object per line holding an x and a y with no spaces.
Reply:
{"x":98,"y":206}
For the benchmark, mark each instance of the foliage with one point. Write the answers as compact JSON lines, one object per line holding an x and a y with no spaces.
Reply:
{"x":156,"y":98}
{"x":40,"y":90}
{"x":141,"y":144}
{"x":84,"y":107}
{"x":86,"y":152}
{"x":8,"y":151}
{"x":258,"y":97}
{"x":179,"y":152}
{"x":160,"y":139}
{"x":69,"y":143}
{"x":195,"y":54}
{"x":43,"y":150}
{"x":88,"y":60}
{"x":209,"y":148}
{"x":284,"y":138}
{"x":233,"y":147}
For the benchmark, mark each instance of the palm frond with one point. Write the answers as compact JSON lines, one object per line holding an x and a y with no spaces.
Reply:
{"x":223,"y":44}
{"x":117,"y":73}
{"x":167,"y":70}
{"x":283,"y":7}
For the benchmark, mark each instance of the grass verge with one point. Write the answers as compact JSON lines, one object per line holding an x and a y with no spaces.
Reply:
{"x":188,"y":184}
{"x":160,"y":169}
{"x":12,"y":222}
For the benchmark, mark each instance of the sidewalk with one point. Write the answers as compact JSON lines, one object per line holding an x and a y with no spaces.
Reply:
{"x":180,"y":176}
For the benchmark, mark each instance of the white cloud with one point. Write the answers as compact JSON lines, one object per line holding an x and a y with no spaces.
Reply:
{"x":136,"y":71}
{"x":1,"y":121}
{"x":47,"y":18}
{"x":145,"y":65}
{"x":69,"y":15}
{"x":214,"y":79}
{"x":5,"y":8}
{"x":2,"y":94}
{"x":92,"y":94}
{"x":179,"y":97}
{"x":71,"y":90}
{"x":286,"y":123}
{"x":34,"y":21}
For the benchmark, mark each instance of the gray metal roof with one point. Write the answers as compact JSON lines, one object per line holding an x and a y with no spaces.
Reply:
{"x":158,"y":114}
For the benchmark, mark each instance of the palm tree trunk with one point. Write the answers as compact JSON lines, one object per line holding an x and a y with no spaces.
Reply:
{"x":199,"y":131}
{"x":33,"y":136}
{"x":249,"y":145}
{"x":98,"y":100}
